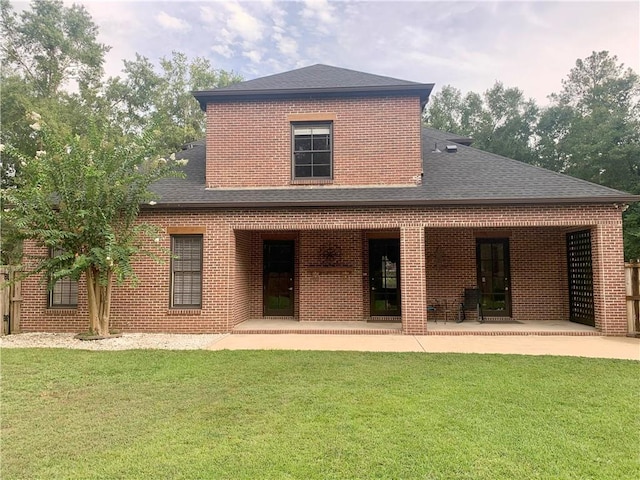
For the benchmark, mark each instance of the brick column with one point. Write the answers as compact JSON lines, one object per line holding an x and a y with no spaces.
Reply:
{"x":412,"y":280}
{"x":608,"y":279}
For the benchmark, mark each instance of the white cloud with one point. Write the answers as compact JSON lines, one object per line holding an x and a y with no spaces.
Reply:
{"x":286,"y":45}
{"x":243,"y":24}
{"x":171,"y":23}
{"x":224,"y":50}
{"x":319,"y":15}
{"x":208,"y":14}
{"x":254,"y":55}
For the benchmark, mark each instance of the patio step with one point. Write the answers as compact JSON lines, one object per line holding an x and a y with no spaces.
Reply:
{"x":557,"y":333}
{"x":489,"y":328}
{"x":386,"y":331}
{"x":318,"y":331}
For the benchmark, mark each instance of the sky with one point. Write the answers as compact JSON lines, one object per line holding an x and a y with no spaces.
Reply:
{"x":469,"y":45}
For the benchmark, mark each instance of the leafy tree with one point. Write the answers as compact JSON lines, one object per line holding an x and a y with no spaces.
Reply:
{"x":592,"y":131}
{"x":44,"y":50}
{"x":50,"y":45}
{"x":501,"y":121}
{"x":81,"y":195}
{"x":164,"y":98}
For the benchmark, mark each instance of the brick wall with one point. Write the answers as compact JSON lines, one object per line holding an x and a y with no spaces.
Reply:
{"x":232,"y":286}
{"x":249,"y":143}
{"x":608,"y":264}
{"x":412,"y":279}
{"x":242,"y":289}
{"x":330,"y":288}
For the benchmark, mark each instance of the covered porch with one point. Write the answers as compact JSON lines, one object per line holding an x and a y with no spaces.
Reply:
{"x":411,"y":280}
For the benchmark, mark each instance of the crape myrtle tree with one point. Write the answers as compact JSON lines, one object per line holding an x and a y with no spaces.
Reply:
{"x":79,"y":198}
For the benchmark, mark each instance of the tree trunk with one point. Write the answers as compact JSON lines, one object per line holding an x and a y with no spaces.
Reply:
{"x":99,"y":299}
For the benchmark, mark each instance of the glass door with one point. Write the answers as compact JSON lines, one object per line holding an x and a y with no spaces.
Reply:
{"x":384,"y":272}
{"x":492,"y":257}
{"x":278,"y":262}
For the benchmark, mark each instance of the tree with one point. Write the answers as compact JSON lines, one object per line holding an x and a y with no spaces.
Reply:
{"x":501,"y":121}
{"x":592,"y":131}
{"x":165,"y":98}
{"x":43,"y":51}
{"x":81,"y":195}
{"x":50,"y":45}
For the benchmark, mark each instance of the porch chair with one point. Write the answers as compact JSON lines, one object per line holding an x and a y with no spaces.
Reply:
{"x":444,"y":306}
{"x":470,"y":302}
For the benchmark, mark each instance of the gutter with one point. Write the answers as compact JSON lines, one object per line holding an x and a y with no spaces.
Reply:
{"x":615,"y":200}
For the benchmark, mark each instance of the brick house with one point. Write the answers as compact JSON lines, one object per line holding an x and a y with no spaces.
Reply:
{"x":319,"y":196}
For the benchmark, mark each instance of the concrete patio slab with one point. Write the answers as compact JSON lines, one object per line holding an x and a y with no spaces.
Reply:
{"x":574,"y":346}
{"x":580,"y":346}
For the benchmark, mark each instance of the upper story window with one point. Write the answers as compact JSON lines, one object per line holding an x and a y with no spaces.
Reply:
{"x":64,"y":293}
{"x":312,"y":150}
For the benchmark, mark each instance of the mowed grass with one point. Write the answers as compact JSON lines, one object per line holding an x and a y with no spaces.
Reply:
{"x":316,"y":415}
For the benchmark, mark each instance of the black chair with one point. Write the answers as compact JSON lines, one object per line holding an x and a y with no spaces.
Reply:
{"x":470,"y":302}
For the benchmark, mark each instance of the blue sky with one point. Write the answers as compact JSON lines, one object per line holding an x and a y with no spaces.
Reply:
{"x":470,"y":45}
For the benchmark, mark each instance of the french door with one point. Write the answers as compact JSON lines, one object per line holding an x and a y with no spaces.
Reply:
{"x":278,"y":277}
{"x":492,"y":258}
{"x":384,"y":274}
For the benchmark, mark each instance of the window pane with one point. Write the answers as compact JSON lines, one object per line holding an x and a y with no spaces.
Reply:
{"x":321,"y":142}
{"x":321,"y":170}
{"x":320,"y":130}
{"x":303,"y":158}
{"x":303,"y":143}
{"x":323,"y":158}
{"x":303,"y":171}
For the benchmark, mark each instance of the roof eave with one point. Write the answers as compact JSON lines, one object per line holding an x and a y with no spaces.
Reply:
{"x":612,"y":200}
{"x":221,"y":95}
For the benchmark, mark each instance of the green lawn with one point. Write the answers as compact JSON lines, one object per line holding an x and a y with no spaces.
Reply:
{"x":316,"y":415}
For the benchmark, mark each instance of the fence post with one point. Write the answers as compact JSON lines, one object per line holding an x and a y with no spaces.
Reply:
{"x":16,"y":303}
{"x":5,"y":300}
{"x":632,"y":284}
{"x":10,"y":300}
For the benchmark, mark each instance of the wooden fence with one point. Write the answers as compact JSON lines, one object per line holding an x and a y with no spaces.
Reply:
{"x":632,"y":281}
{"x":10,"y":301}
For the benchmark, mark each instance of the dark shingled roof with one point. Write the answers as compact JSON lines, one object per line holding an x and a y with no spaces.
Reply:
{"x":322,"y":80}
{"x":467,"y":176}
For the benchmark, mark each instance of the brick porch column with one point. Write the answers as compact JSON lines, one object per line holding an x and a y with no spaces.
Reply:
{"x":608,"y":278}
{"x":412,"y":280}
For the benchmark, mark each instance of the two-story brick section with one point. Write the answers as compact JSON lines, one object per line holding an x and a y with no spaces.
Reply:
{"x":319,"y":196}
